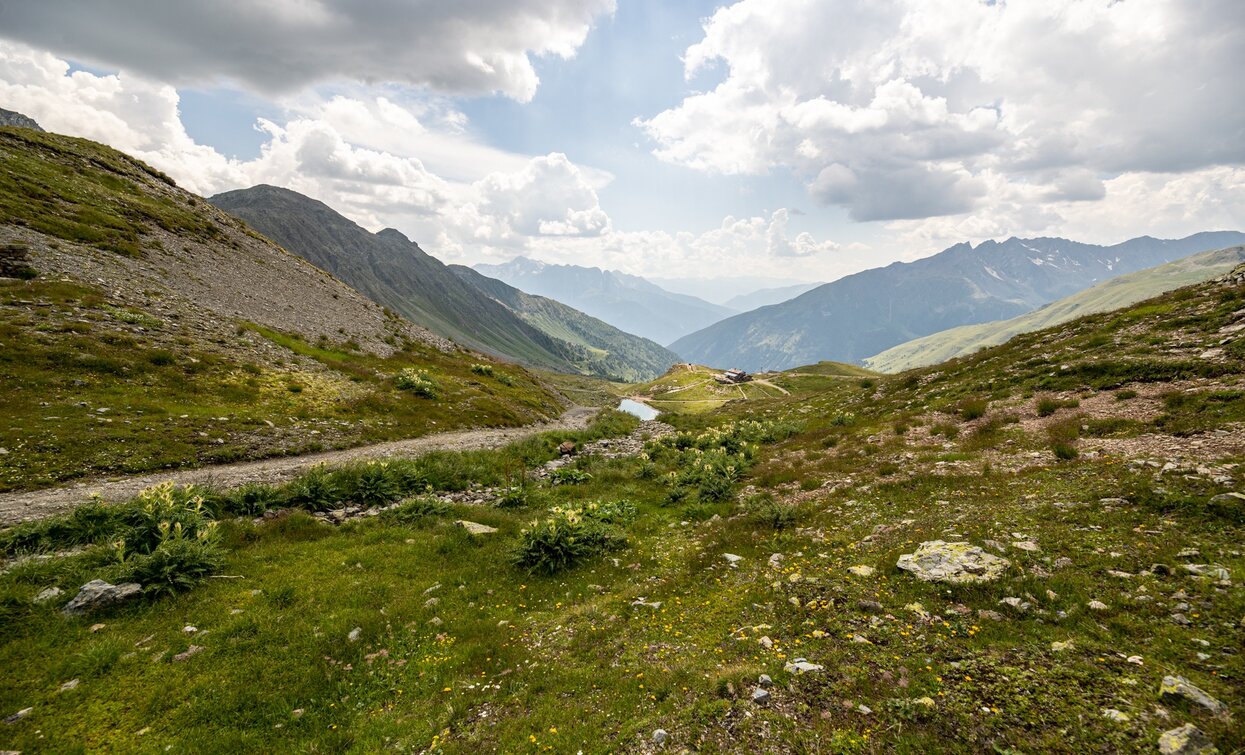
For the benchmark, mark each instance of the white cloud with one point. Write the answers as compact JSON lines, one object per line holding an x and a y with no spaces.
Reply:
{"x":908,"y":109}
{"x":284,"y":45}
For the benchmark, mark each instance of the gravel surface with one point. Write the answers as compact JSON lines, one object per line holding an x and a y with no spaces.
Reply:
{"x":18,"y":507}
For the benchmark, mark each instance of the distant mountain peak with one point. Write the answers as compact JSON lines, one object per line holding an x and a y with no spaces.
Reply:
{"x":15,"y":119}
{"x":627,"y":302}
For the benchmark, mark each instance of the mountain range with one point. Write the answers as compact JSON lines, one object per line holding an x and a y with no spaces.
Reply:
{"x":766,"y":296}
{"x":628,"y":302}
{"x":863,"y":314}
{"x":1107,"y":296}
{"x":394,"y":271}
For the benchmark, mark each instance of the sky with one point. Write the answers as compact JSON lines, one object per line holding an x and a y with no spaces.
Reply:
{"x":776,"y":140}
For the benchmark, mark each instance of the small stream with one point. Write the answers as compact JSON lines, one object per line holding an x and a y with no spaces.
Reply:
{"x":635,"y":408}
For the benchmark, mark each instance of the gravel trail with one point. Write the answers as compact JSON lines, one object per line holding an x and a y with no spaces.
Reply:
{"x":26,"y":506}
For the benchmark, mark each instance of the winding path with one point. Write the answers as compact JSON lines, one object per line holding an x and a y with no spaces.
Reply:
{"x":37,"y":504}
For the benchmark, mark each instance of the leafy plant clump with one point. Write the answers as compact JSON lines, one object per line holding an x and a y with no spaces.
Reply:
{"x":712,"y":463}
{"x":564,"y":539}
{"x":418,"y":382}
{"x":570,"y":476}
{"x":172,"y":543}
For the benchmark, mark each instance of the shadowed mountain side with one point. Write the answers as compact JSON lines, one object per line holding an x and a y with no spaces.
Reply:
{"x":395,"y":272}
{"x":604,"y":350}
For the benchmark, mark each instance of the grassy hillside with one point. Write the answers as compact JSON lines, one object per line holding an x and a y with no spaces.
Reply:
{"x":1113,"y":294}
{"x":691,"y":389}
{"x":142,"y":329}
{"x":600,"y":349}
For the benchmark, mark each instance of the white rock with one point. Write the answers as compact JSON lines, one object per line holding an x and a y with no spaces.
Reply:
{"x":938,"y":561}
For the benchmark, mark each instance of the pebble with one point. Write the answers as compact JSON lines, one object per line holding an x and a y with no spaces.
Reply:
{"x":660,"y":736}
{"x":355,"y":634}
{"x":732,"y":559}
{"x":71,"y":684}
{"x":760,"y":696}
{"x":1097,"y":605}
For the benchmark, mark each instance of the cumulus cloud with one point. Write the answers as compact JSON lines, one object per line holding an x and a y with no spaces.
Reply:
{"x":283,"y":45}
{"x":360,"y":154}
{"x":909,"y":109}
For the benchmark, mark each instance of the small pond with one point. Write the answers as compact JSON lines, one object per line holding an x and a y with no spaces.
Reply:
{"x":643,"y":411}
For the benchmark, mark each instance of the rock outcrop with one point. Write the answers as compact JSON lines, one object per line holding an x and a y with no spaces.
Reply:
{"x":938,"y":561}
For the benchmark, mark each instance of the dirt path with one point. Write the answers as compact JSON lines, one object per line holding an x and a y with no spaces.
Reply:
{"x":18,"y":507}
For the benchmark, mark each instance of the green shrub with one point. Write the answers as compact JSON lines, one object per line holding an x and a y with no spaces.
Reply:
{"x":176,"y":564}
{"x":764,"y":511}
{"x":315,"y":491}
{"x":945,"y":429}
{"x":973,"y":408}
{"x":843,"y":419}
{"x":562,"y":540}
{"x":483,"y":369}
{"x":416,"y":510}
{"x":171,"y":543}
{"x":1048,"y":405}
{"x":1125,"y":394}
{"x":418,"y":382}
{"x":619,"y":512}
{"x":161,"y":358}
{"x":252,"y":499}
{"x":1064,"y":451}
{"x":512,"y":498}
{"x":370,"y":484}
{"x":569,"y":476}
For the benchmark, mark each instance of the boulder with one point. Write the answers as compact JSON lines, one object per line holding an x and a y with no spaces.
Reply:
{"x":1179,"y":687}
{"x":567,"y":448}
{"x":475,"y":528}
{"x":50,"y":594}
{"x":1186,"y":740}
{"x":98,"y":594}
{"x":938,"y":561}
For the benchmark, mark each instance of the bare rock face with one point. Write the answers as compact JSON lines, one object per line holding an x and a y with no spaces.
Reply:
{"x":1186,"y":740}
{"x":938,"y":561}
{"x":98,"y":594}
{"x":11,"y":118}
